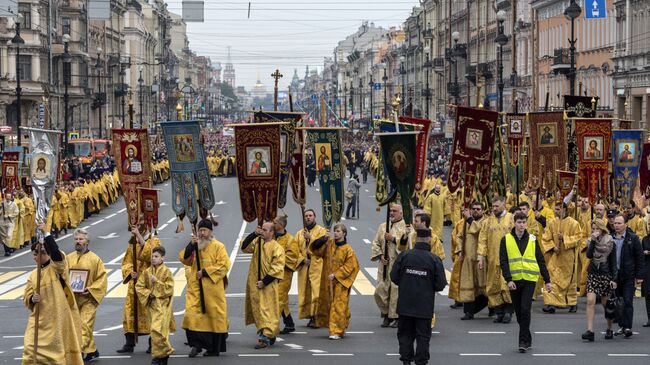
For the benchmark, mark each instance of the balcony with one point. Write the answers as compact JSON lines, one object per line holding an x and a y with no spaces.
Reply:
{"x":561,"y":61}
{"x":439,"y":64}
{"x":471,"y":74}
{"x":485,"y":70}
{"x":427,"y":33}
{"x":502,"y":4}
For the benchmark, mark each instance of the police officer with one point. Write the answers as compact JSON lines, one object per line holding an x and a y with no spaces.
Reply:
{"x":522,"y":262}
{"x":419,"y":275}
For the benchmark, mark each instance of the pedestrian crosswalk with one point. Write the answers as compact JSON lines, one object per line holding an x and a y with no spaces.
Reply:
{"x":12,"y":283}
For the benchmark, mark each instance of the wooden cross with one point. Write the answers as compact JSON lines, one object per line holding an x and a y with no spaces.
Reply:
{"x":276,"y":75}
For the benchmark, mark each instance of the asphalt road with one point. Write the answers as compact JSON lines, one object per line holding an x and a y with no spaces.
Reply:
{"x":556,"y":337}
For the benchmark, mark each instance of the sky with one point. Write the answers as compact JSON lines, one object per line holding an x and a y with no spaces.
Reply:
{"x":283,"y":34}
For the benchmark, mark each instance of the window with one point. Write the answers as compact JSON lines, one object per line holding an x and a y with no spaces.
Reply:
{"x":26,"y":11}
{"x":25,"y":67}
{"x":83,"y":74}
{"x":65,"y":23}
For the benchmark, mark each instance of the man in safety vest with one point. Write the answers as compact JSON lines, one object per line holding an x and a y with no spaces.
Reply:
{"x":522,"y":263}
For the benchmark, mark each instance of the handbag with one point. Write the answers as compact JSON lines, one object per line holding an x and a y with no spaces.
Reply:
{"x":348,"y":196}
{"x":614,"y":308}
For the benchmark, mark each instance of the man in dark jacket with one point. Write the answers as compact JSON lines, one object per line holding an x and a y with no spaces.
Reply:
{"x":419,"y":275}
{"x":522,"y":263}
{"x":631,"y":271}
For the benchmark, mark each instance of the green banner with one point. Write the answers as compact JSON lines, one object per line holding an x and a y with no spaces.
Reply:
{"x":398,"y":152}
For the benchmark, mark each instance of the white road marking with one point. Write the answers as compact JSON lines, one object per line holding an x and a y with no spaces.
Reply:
{"x":111,"y":235}
{"x":221,"y":202}
{"x":316,"y":351}
{"x":120,"y":211}
{"x":353,"y":228}
{"x":235,"y":295}
{"x":628,"y":355}
{"x":555,"y":355}
{"x":64,"y":237}
{"x":110,"y":216}
{"x":372,"y":271}
{"x":366,"y":241}
{"x":162,"y":204}
{"x":478,"y":354}
{"x":167,"y":184}
{"x":486,"y":332}
{"x":359,"y":332}
{"x":18,"y":348}
{"x":86,"y":227}
{"x":14,"y":283}
{"x":317,"y":189}
{"x":293,"y":346}
{"x":98,"y":222}
{"x":117,"y":259}
{"x":171,"y":220}
{"x":553,"y":333}
{"x":111,"y":328}
{"x":324,"y":354}
{"x":435,"y":332}
{"x":233,"y":253}
{"x":342,"y":218}
{"x":392,"y":354}
{"x":16,"y":255}
{"x":115,"y":357}
{"x":162,"y":227}
{"x":258,"y":355}
{"x":234,"y":333}
{"x":367,"y":191}
{"x":16,"y":336}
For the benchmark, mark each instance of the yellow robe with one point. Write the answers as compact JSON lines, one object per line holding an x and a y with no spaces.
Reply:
{"x":87,"y":303}
{"x":73,"y":212}
{"x":59,"y":329}
{"x":561,"y":265}
{"x":434,"y":205}
{"x":308,"y":275}
{"x":81,"y":207}
{"x":158,"y":299}
{"x":386,"y":291}
{"x":489,"y":243}
{"x":18,"y":236}
{"x":436,"y":244}
{"x":49,"y":222}
{"x":143,"y":259}
{"x":61,"y":219}
{"x":472,"y":280}
{"x":215,"y":261}
{"x":638,"y":225}
{"x":29,"y":225}
{"x":334,"y":307}
{"x":262,"y":306}
{"x":291,"y":256}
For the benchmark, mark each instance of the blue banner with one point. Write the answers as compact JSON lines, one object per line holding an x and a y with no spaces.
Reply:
{"x":626,"y":155}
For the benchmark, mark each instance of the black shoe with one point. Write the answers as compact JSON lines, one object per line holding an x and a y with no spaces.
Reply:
{"x":210,"y":353}
{"x":194,"y":351}
{"x":406,"y":362}
{"x":588,"y":335}
{"x":467,"y":317}
{"x":619,"y":332}
{"x":385,"y":323}
{"x":523,"y":348}
{"x":272,"y":341}
{"x":456,"y":305}
{"x":647,"y":324}
{"x":156,"y":361}
{"x":627,"y":333}
{"x":394,"y":323}
{"x":499,"y":319}
{"x":149,"y":347}
{"x":490,"y":312}
{"x":91,"y":356}
{"x":507,"y":318}
{"x":548,"y":309}
{"x":125,"y":350}
{"x":311,"y":323}
{"x":609,"y":335}
{"x":573,"y":309}
{"x":287,"y":330}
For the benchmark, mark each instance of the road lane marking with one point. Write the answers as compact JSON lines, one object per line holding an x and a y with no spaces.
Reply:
{"x":98,"y":222}
{"x":478,"y":354}
{"x":9,"y":275}
{"x":359,"y":332}
{"x":372,"y":271}
{"x":555,"y":355}
{"x":486,"y":332}
{"x":553,"y":333}
{"x":15,"y":256}
{"x":328,"y":354}
{"x":162,"y":227}
{"x":171,"y":220}
{"x":117,"y":259}
{"x":13,"y":289}
{"x":110,"y":216}
{"x":121,"y":211}
{"x":110,"y":328}
{"x":317,"y":351}
{"x":366,"y":241}
{"x":16,"y":336}
{"x":233,"y":253}
{"x":293,"y":346}
{"x":628,"y":355}
{"x":363,"y":285}
{"x":258,"y":355}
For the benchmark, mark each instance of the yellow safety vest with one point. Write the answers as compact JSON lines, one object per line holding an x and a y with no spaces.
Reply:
{"x":522,"y":267}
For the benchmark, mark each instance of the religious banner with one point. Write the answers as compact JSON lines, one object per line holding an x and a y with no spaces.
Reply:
{"x":580,"y":106}
{"x":188,"y":169}
{"x":399,"y":152}
{"x":626,"y":156}
{"x":149,"y":206}
{"x":258,"y":169}
{"x":44,"y":153}
{"x":515,"y":132}
{"x":472,"y":156}
{"x":133,"y":159}
{"x":593,"y":139}
{"x":290,"y":121}
{"x":498,"y":179}
{"x":422,"y":145}
{"x":547,"y":150}
{"x":297,"y":177}
{"x":327,"y":150}
{"x":382,"y":194}
{"x":624,"y":124}
{"x":644,"y":171}
{"x":10,"y":176}
{"x":566,"y":180}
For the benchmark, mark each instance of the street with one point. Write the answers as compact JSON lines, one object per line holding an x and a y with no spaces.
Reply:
{"x":453,"y":342}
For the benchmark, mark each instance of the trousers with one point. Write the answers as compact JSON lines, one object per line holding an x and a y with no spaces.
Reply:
{"x":522,"y":299}
{"x":418,"y":330}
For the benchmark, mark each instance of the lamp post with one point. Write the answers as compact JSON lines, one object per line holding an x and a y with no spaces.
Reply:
{"x":427,"y":90}
{"x":402,"y":70}
{"x":571,"y":13}
{"x":352,"y":98}
{"x":154,"y":90}
{"x":66,"y":82}
{"x":98,"y":67}
{"x":371,"y":83}
{"x":501,"y":39}
{"x":360,"y":98}
{"x":18,"y":41}
{"x":123,"y":92}
{"x":385,"y":80}
{"x":455,"y":36}
{"x":141,"y":85}
{"x":188,"y":90}
{"x":345,"y":101}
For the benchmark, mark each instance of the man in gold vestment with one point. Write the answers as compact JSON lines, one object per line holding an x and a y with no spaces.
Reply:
{"x":291,"y":256}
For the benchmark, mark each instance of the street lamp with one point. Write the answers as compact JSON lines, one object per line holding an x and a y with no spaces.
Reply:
{"x":427,"y":90}
{"x":18,"y":41}
{"x":140,"y":83}
{"x":345,"y":101}
{"x":100,"y":101}
{"x":402,"y":70}
{"x":385,"y":80}
{"x":455,"y":36}
{"x":371,"y":83}
{"x":571,"y":13}
{"x":188,"y":90}
{"x":66,"y":82}
{"x":501,"y":40}
{"x":360,"y":98}
{"x":352,"y":98}
{"x":154,"y":90}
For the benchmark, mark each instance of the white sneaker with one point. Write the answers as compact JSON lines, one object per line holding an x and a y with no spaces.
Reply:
{"x":335,"y":337}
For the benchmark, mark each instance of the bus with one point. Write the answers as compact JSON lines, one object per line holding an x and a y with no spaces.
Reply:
{"x":88,"y":150}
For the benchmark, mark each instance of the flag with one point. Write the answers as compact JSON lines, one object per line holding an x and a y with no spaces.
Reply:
{"x":298,"y":169}
{"x":548,"y":149}
{"x":515,"y":132}
{"x":148,"y":202}
{"x":498,"y":179}
{"x":44,"y":154}
{"x":188,"y":170}
{"x":326,"y":144}
{"x":382,"y":194}
{"x":626,"y":157}
{"x":133,"y":157}
{"x":422,"y":146}
{"x":593,"y":139}
{"x":644,"y":171}
{"x":290,"y":121}
{"x":258,"y":169}
{"x":580,"y":106}
{"x":566,"y":180}
{"x":399,"y":153}
{"x":472,"y":155}
{"x":10,"y":173}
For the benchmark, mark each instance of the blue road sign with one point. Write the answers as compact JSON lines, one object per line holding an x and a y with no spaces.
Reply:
{"x":595,"y":9}
{"x":377,"y":86}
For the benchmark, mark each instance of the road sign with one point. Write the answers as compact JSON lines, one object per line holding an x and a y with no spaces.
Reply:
{"x":41,"y":115}
{"x":595,"y":9}
{"x":376,"y":86}
{"x":73,"y":135}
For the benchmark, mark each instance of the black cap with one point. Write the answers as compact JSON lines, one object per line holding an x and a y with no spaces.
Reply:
{"x":205,"y":223}
{"x":611,"y":213}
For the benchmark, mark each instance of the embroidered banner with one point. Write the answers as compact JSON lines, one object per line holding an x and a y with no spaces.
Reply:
{"x":472,"y":157}
{"x":149,"y":207}
{"x":580,"y":106}
{"x":44,"y":151}
{"x":383,"y":195}
{"x":644,"y":171}
{"x":290,"y":121}
{"x":566,"y":180}
{"x":548,"y":148}
{"x":297,"y":176}
{"x":593,"y":139}
{"x":399,"y":150}
{"x":422,"y":146}
{"x":258,"y":169}
{"x":515,"y":132}
{"x":133,"y":158}
{"x":191,"y":187}
{"x":626,"y":156}
{"x":10,"y":176}
{"x":326,"y":145}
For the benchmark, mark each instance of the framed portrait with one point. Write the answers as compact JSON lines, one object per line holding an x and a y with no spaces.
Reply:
{"x":184,"y":148}
{"x":593,"y":147}
{"x":547,"y":134}
{"x":148,"y":205}
{"x":131,"y":163}
{"x":283,"y":148}
{"x":323,"y":156}
{"x":258,"y":161}
{"x":41,"y":167}
{"x":11,"y":171}
{"x":78,"y":280}
{"x":474,"y":139}
{"x":626,"y":151}
{"x":516,"y":126}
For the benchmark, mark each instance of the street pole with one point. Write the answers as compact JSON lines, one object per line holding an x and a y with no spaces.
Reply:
{"x":99,"y":85}
{"x":18,"y":41}
{"x":501,"y":40}
{"x":66,"y":97}
{"x":123,"y":92}
{"x":385,"y":80}
{"x":571,"y":13}
{"x":140,"y":83}
{"x":372,"y":91}
{"x":360,"y":98}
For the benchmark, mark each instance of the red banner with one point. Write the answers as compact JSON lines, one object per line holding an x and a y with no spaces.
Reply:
{"x":593,"y":137}
{"x":473,"y":144}
{"x":644,"y":171}
{"x":515,"y":128}
{"x":548,"y":149}
{"x":422,"y":146}
{"x":10,"y":173}
{"x":566,"y":180}
{"x":149,"y":206}
{"x":297,"y":178}
{"x":133,"y":158}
